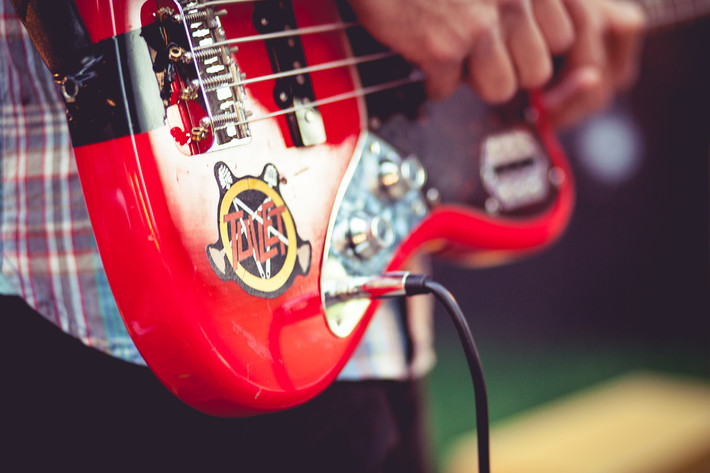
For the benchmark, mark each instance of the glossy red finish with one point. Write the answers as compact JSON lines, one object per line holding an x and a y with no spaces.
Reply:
{"x":154,"y":210}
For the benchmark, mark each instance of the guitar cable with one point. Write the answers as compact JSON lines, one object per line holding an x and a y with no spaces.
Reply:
{"x":420,"y":284}
{"x":399,"y":284}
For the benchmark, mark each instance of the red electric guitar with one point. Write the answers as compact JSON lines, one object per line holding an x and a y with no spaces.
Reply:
{"x":242,"y":160}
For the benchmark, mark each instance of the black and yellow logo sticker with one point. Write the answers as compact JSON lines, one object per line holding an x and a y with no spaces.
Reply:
{"x":258,"y":245}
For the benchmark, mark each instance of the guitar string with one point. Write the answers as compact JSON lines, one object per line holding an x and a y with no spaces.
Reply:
{"x":359,"y":92}
{"x":660,"y":11}
{"x":308,"y":30}
{"x":414,"y":77}
{"x":217,"y":3}
{"x":353,"y":61}
{"x":658,"y":18}
{"x":325,"y":28}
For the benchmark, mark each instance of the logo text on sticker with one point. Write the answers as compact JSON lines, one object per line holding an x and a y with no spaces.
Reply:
{"x":258,"y":245}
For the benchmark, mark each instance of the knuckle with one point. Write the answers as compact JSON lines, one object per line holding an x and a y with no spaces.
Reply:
{"x":561,"y":38}
{"x":484,"y":25}
{"x":485,"y":41}
{"x":637,"y":19}
{"x":445,"y":52}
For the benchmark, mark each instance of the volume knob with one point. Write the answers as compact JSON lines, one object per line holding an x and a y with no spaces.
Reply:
{"x":369,"y":234}
{"x":398,"y":178}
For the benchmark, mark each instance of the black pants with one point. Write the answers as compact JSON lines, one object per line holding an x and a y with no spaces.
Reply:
{"x":68,"y":407}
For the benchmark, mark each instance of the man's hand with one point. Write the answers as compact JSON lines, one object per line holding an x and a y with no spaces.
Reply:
{"x":501,"y":46}
{"x":603,"y":59}
{"x":497,"y":46}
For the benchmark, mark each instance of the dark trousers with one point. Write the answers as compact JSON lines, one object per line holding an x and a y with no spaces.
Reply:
{"x":68,"y":407}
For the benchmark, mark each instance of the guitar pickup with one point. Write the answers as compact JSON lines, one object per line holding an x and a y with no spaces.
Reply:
{"x":293,"y":93}
{"x":514,"y":171}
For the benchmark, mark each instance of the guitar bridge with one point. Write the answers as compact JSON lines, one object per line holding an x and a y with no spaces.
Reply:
{"x":199,"y":79}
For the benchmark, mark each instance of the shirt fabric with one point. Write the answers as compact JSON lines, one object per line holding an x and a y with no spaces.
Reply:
{"x":48,"y":255}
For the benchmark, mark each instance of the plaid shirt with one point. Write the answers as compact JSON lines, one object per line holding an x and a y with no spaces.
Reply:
{"x":48,"y":254}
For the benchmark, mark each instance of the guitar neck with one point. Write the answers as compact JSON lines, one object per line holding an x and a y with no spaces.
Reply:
{"x":666,"y":13}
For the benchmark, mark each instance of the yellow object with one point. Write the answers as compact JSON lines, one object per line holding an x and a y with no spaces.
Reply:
{"x":639,"y":423}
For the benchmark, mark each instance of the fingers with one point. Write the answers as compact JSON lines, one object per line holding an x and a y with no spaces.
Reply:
{"x":501,"y":45}
{"x":527,"y":46}
{"x":574,"y":97}
{"x":517,"y":53}
{"x":442,"y":79}
{"x":588,"y":49}
{"x":443,"y":64}
{"x":603,"y":59}
{"x":582,"y":86}
{"x":555,"y":24}
{"x":491,"y":71}
{"x":626,"y":24}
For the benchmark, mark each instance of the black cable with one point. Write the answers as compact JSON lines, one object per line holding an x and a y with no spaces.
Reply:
{"x":419,"y":284}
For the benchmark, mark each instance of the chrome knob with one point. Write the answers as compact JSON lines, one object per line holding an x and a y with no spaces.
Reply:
{"x":396,"y":178}
{"x":413,"y":172}
{"x":367,"y":235}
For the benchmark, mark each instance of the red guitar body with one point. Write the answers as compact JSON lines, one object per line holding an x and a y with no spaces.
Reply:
{"x":218,"y":249}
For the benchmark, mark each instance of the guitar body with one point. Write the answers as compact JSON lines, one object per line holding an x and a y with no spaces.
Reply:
{"x":219,"y":239}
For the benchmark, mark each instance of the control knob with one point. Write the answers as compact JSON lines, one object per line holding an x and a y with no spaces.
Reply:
{"x":369,"y":234}
{"x":396,"y":178}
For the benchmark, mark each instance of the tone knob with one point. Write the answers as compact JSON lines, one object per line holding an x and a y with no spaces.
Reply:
{"x":369,"y":234}
{"x":398,"y":178}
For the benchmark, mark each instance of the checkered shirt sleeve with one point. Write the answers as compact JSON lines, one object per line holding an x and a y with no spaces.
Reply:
{"x":48,"y":253}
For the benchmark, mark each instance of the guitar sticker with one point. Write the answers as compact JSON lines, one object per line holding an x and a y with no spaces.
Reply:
{"x":258,"y":244}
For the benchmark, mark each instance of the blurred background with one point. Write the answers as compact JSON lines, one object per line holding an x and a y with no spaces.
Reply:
{"x":627,"y":287}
